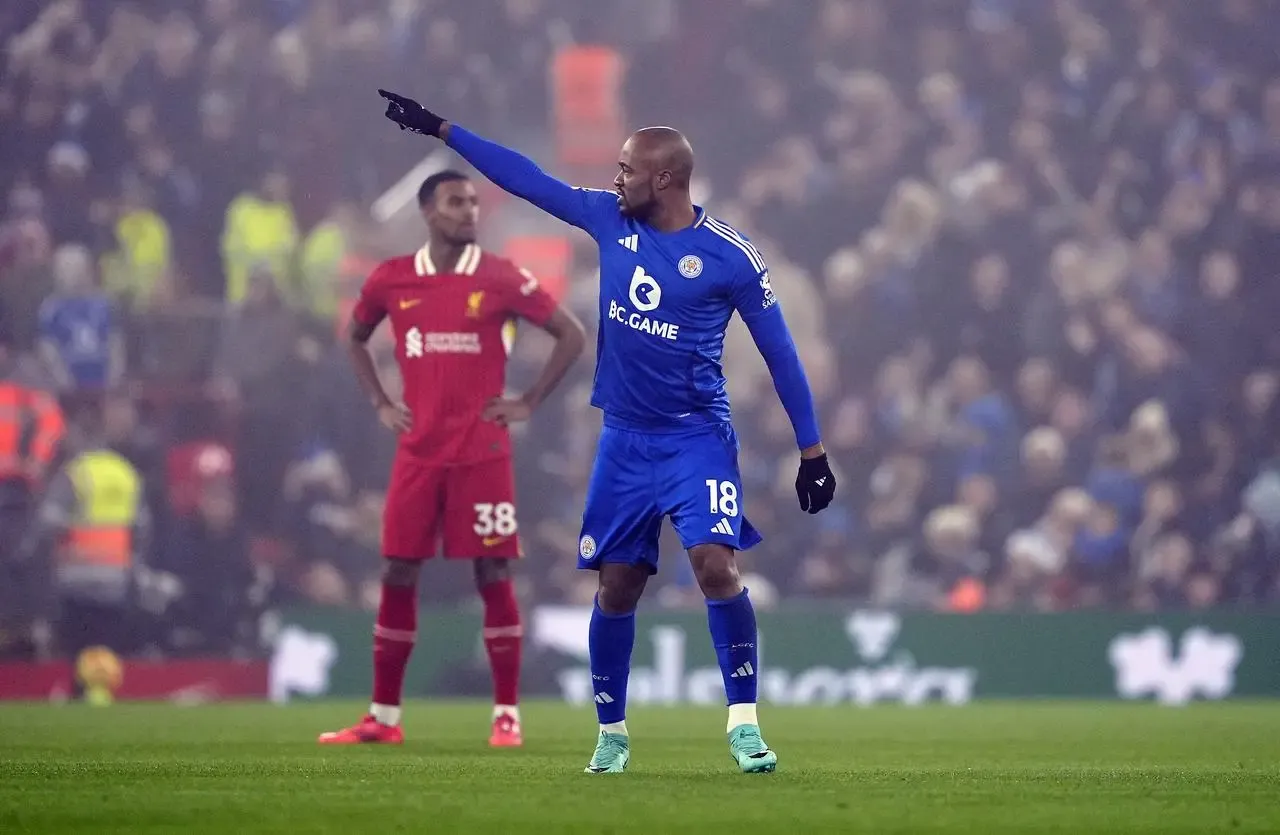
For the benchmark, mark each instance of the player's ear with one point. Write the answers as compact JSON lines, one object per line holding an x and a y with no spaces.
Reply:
{"x":663,"y":180}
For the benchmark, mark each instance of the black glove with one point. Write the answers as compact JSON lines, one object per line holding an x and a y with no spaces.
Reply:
{"x":410,"y":115}
{"x":815,"y":484}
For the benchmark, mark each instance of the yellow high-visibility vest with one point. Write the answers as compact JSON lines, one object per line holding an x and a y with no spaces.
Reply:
{"x":258,"y":231}
{"x":109,"y":493}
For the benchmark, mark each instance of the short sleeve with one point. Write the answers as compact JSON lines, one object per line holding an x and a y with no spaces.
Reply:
{"x":371,"y":306}
{"x":523,"y":296}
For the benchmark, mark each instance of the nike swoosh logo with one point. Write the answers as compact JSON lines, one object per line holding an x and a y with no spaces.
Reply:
{"x":405,"y":304}
{"x":490,"y":541}
{"x":596,"y":769}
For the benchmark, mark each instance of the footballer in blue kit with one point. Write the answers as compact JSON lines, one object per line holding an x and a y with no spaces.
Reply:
{"x":671,"y":278}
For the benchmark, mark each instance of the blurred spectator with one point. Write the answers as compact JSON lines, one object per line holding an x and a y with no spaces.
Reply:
{"x":137,"y":270}
{"x":31,"y":429}
{"x":260,"y":235}
{"x":1034,"y":388}
{"x":93,"y":528}
{"x":945,"y":571}
{"x":209,"y":555}
{"x":989,"y":327}
{"x":68,"y":194}
{"x":322,"y":281}
{"x":80,"y":338}
{"x":257,"y":373}
{"x":1044,"y":474}
{"x":1219,"y":339}
{"x":26,"y":275}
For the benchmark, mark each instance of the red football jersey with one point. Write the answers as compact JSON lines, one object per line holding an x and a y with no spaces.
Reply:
{"x":453,"y":330}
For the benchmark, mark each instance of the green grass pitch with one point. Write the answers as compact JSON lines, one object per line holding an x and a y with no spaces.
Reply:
{"x":989,"y":768}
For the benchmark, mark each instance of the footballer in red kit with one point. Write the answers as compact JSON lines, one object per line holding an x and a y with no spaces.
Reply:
{"x":453,"y":310}
{"x":452,"y":477}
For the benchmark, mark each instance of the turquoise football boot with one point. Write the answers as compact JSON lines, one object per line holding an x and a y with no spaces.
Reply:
{"x":612,"y":754}
{"x":749,"y":751}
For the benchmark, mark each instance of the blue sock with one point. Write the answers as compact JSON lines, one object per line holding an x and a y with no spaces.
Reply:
{"x":733,"y":631}
{"x":611,"y":640}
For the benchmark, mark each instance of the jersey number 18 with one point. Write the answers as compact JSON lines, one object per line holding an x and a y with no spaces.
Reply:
{"x":724,"y":497}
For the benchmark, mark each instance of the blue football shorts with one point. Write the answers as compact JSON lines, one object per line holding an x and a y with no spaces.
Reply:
{"x":638,"y":478}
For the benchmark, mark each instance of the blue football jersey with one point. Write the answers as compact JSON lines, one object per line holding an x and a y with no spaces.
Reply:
{"x":80,"y":328}
{"x":665,"y":302}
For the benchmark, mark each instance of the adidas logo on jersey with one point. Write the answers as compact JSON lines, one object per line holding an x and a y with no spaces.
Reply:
{"x":631,"y":242}
{"x":723,"y":527}
{"x":744,"y":671}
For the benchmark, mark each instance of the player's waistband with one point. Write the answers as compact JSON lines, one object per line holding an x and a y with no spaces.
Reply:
{"x":428,"y":454}
{"x":676,"y":426}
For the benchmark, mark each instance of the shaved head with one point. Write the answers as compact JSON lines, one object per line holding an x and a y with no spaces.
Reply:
{"x":655,"y":168}
{"x":667,"y":149}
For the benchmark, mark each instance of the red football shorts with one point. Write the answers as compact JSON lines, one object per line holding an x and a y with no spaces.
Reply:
{"x":469,"y":508}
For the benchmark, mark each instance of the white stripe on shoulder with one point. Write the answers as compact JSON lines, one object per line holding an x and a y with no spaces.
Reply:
{"x":736,"y":234}
{"x":737,"y":240}
{"x":422,"y":261}
{"x":751,"y":258}
{"x":469,"y":260}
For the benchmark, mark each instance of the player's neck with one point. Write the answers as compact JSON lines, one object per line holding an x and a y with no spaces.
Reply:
{"x":445,"y":254}
{"x":673,"y":218}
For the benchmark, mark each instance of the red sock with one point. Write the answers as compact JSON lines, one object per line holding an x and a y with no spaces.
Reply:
{"x":393,"y":637}
{"x":502,"y":640}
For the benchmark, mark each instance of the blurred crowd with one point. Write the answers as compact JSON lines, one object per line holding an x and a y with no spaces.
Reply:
{"x":1026,"y":247}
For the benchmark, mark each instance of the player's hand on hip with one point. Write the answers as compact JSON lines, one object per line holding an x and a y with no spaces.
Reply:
{"x":507,"y":410}
{"x":396,"y":417}
{"x":410,"y":115}
{"x":815,"y":483}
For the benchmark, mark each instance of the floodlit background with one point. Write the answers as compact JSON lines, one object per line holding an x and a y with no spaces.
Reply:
{"x":1028,"y":249}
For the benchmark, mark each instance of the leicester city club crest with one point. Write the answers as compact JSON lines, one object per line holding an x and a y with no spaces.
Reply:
{"x":691,"y":266}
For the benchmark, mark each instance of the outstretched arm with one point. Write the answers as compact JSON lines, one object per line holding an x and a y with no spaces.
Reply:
{"x":511,"y":171}
{"x":515,"y":173}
